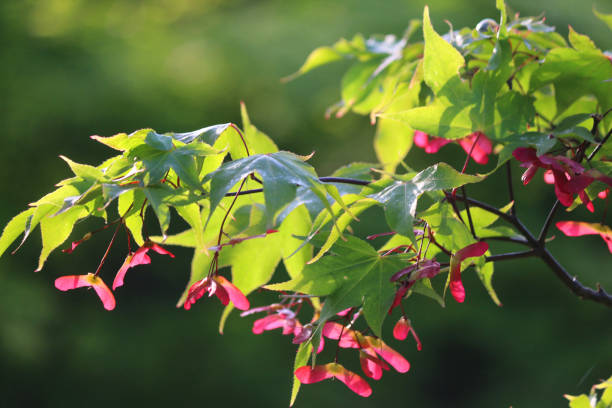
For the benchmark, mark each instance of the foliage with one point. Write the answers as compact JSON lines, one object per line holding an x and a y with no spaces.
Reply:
{"x":513,"y":88}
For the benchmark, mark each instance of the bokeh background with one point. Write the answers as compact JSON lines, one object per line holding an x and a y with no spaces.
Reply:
{"x":73,"y":68}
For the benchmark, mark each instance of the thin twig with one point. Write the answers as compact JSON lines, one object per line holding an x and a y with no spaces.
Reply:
{"x":514,"y":240}
{"x":451,"y":200}
{"x":599,"y":146}
{"x":344,"y":180}
{"x":510,"y":188}
{"x":469,"y":214}
{"x":511,"y":255}
{"x":433,"y":241}
{"x":583,"y":292}
{"x":549,"y":219}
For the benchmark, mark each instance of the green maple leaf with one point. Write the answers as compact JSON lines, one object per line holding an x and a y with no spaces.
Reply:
{"x":281,"y":172}
{"x":354,"y":274}
{"x":160,"y":153}
{"x":400,"y":198}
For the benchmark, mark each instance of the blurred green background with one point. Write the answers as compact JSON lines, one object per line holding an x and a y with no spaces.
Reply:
{"x":73,"y":68}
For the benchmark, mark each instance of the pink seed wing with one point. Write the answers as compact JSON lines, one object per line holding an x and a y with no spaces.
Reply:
{"x":435,"y":144}
{"x":65,"y":283}
{"x":421,"y":139}
{"x":235,"y":295}
{"x":576,"y":228}
{"x":332,"y":330}
{"x":161,"y":250}
{"x":395,"y":359}
{"x":118,"y":281}
{"x":549,"y":178}
{"x":401,"y":329}
{"x":269,"y":322}
{"x":457,"y":289}
{"x":140,"y":257}
{"x":370,"y":364}
{"x":220,"y":292}
{"x":470,"y":251}
{"x":355,"y":383}
{"x":525,"y":154}
{"x":104,"y":293}
{"x":310,"y":375}
{"x":473,"y":250}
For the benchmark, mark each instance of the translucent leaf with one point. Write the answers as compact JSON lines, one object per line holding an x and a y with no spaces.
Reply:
{"x":297,"y":223}
{"x":425,"y":288}
{"x":606,"y":18}
{"x":581,"y":42}
{"x":318,"y":57}
{"x":55,"y":230}
{"x":485,"y":273}
{"x":441,"y":60}
{"x":257,"y":141}
{"x":15,"y":227}
{"x":301,"y":359}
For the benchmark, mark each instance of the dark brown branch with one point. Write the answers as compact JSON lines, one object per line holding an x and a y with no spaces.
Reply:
{"x":511,"y":255}
{"x":537,"y":246}
{"x":469,"y":214}
{"x":344,"y":180}
{"x":514,"y":240}
{"x":583,"y":292}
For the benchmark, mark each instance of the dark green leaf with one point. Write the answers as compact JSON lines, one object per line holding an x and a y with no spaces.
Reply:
{"x":282,"y":173}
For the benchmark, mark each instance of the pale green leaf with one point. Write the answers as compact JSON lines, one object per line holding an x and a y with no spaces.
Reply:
{"x":15,"y":227}
{"x":55,"y":230}
{"x":441,"y":60}
{"x":301,"y":359}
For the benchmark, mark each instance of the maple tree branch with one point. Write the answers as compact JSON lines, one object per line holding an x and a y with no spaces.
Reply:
{"x":537,"y":245}
{"x":583,"y":292}
{"x":511,"y":255}
{"x":522,"y":241}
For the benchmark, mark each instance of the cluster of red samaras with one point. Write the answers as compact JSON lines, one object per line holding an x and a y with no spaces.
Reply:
{"x":213,"y":285}
{"x":477,"y":145}
{"x":375,"y":356}
{"x":569,"y":177}
{"x":139,"y":257}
